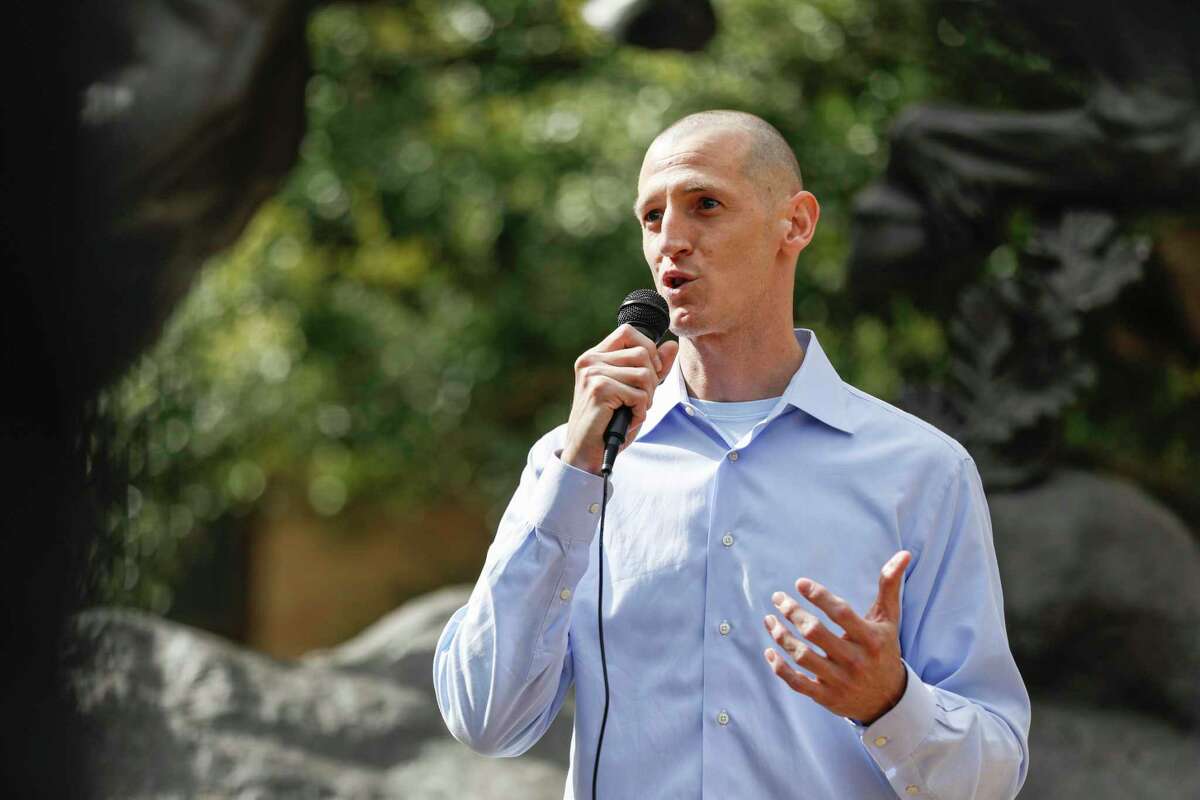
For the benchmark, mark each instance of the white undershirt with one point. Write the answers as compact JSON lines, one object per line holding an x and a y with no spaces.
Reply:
{"x":734,"y":420}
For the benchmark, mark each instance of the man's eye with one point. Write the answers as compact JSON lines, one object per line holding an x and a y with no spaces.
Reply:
{"x":652,"y":216}
{"x":708,"y":204}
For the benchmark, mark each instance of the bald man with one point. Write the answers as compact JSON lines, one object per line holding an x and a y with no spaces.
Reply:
{"x":800,"y":590}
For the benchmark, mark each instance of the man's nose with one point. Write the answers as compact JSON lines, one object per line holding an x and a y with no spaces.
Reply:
{"x":675,"y":235}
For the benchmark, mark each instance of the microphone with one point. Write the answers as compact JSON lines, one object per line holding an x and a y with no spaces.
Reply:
{"x":646,"y":310}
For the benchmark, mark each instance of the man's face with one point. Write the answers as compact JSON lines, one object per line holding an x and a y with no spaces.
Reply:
{"x":708,"y":234}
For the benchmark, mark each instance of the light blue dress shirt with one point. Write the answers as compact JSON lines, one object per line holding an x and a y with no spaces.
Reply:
{"x":699,"y":535}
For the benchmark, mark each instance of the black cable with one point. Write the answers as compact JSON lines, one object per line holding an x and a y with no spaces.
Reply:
{"x":600,"y":625}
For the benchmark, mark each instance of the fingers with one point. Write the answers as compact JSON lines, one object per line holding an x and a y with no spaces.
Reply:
{"x":835,"y":608}
{"x":616,"y":386}
{"x":629,"y":357}
{"x":891,"y":578}
{"x":606,"y":390}
{"x":626,"y":336}
{"x":802,"y":654}
{"x":809,"y":627}
{"x":797,"y":680}
{"x":667,"y":352}
{"x":642,"y":378}
{"x":625,"y":357}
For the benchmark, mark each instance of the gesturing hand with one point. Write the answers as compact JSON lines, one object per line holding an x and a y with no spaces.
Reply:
{"x":860,"y":675}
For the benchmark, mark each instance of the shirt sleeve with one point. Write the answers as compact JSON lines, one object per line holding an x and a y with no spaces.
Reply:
{"x":502,"y":665}
{"x":961,"y":728}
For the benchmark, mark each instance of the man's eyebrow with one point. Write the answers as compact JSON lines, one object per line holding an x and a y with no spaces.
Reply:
{"x":694,"y":187}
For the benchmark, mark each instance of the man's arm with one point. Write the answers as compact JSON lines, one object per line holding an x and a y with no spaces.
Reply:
{"x":960,"y":726}
{"x":965,"y":726}
{"x":502,"y":665}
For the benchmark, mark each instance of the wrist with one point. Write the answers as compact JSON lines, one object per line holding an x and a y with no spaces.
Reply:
{"x":892,"y":701}
{"x":587,"y":462}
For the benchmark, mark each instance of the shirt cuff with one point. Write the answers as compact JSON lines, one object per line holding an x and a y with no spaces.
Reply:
{"x":893,"y":738}
{"x":566,"y":502}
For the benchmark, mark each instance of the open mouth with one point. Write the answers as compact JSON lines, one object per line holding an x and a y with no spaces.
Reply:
{"x":673,"y":280}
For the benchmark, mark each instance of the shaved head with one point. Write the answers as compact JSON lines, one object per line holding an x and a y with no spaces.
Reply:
{"x":768,"y":159}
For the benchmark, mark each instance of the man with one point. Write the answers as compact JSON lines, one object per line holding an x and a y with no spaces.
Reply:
{"x":750,"y":464}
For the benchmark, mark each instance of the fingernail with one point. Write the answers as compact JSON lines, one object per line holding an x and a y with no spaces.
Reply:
{"x":777,"y":598}
{"x":770,"y":654}
{"x":804,"y":585}
{"x":769,"y":619}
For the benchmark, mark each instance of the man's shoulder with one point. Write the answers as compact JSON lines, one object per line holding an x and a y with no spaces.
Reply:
{"x":878,"y":419}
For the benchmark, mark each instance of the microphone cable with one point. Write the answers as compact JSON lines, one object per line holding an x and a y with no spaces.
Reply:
{"x":600,"y":626}
{"x":646,"y":310}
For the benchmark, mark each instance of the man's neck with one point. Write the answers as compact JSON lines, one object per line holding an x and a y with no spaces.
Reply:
{"x":737,"y":366}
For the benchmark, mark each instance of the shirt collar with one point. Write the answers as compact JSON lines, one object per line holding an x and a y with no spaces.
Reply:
{"x":815,"y":389}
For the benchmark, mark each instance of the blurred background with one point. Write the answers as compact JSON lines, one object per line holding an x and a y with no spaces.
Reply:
{"x":336,"y":413}
{"x":335,"y":404}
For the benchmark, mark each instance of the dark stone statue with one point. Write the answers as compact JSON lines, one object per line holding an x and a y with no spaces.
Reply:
{"x":1135,"y":143}
{"x":139,"y":137}
{"x":190,"y":117}
{"x":1102,"y":583}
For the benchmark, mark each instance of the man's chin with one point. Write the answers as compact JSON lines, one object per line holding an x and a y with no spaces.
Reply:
{"x":686,"y":323}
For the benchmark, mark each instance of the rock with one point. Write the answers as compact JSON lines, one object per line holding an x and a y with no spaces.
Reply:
{"x":1102,"y":595}
{"x":1108,"y":754}
{"x":169,"y":711}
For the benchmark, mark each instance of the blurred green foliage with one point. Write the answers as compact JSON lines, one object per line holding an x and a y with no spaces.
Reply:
{"x":399,"y":323}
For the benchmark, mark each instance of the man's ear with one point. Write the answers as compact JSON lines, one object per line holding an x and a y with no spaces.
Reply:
{"x":801,"y":223}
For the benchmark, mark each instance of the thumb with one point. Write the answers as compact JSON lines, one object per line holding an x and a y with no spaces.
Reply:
{"x":891,"y":578}
{"x":666,"y":353}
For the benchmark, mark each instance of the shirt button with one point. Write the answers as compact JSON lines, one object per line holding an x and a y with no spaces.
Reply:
{"x":565,"y":594}
{"x":880,"y":741}
{"x":723,"y":718}
{"x":691,"y":412}
{"x":733,"y":456}
{"x":725,"y":628}
{"x":912,"y":788}
{"x":594,"y":507}
{"x":727,"y":540}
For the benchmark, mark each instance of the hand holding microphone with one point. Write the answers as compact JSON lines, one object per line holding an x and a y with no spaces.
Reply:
{"x":620,"y":372}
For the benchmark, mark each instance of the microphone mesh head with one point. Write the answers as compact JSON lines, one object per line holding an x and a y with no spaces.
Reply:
{"x":646,"y":310}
